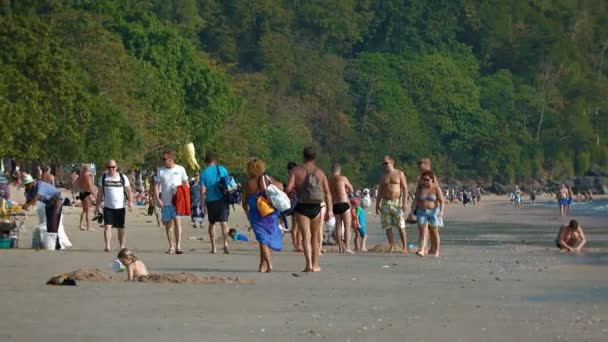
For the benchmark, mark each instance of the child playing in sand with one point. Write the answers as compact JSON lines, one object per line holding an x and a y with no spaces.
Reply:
{"x":135,"y":267}
{"x":237,"y":236}
{"x":358,"y":224}
{"x":571,"y":238}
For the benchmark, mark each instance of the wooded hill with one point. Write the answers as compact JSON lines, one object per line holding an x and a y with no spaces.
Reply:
{"x":501,"y":90}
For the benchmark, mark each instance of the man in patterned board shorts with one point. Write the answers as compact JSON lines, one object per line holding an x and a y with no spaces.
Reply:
{"x":392,"y":202}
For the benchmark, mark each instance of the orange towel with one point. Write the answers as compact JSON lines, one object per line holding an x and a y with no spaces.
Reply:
{"x":181,"y":200}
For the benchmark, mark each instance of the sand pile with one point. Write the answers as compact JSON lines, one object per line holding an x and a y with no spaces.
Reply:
{"x":90,"y":275}
{"x":380,"y":248}
{"x":189,"y":278}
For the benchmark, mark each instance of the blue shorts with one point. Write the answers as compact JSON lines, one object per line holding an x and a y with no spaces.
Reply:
{"x":168,"y":213}
{"x":429,"y":216}
{"x":563,"y":201}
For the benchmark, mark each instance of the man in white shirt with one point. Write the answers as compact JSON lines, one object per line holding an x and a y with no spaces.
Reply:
{"x":169,"y":177}
{"x":114,"y":190}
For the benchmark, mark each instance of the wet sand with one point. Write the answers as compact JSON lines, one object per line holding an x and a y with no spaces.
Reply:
{"x":487,"y":286}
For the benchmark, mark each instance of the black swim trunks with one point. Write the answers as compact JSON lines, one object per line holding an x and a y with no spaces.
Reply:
{"x":309,"y":210}
{"x":83,"y":195}
{"x":341,"y":208}
{"x":218,"y":211}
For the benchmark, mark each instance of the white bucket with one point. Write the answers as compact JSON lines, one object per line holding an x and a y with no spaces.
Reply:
{"x":49,"y":241}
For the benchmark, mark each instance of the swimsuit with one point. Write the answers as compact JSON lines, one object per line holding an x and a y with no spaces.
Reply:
{"x":84,"y":195}
{"x":392,"y":214}
{"x":309,"y":210}
{"x":341,"y":208}
{"x":563,"y":201}
{"x":427,"y":197}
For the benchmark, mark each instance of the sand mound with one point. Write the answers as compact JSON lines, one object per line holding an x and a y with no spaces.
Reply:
{"x":189,"y":278}
{"x":90,"y":275}
{"x":380,"y":248}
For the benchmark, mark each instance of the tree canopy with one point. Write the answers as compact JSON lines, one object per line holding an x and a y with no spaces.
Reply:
{"x":499,"y":91}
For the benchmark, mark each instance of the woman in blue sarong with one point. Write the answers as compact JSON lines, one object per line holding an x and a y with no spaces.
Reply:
{"x":266,"y":228}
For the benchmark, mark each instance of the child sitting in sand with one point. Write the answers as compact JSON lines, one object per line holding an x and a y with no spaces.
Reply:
{"x":135,"y":267}
{"x":237,"y":236}
{"x":359,"y":224}
{"x":571,"y":238}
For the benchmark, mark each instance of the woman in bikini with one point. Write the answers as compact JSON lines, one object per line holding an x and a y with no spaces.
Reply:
{"x":429,"y":212}
{"x":85,"y":186}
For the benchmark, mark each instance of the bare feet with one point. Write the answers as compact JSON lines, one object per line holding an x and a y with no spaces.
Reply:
{"x":107,"y":249}
{"x":363,"y":249}
{"x":420,"y":254}
{"x":316,"y":269}
{"x":393,"y":249}
{"x":226,"y":251}
{"x":349,"y":251}
{"x":82,"y":228}
{"x":404,"y":251}
{"x":308,"y":269}
{"x":435,"y":255}
{"x":212,"y":251}
{"x":170,"y":251}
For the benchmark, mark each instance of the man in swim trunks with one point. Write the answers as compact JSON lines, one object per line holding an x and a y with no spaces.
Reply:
{"x":311,"y":186}
{"x":571,"y":238}
{"x":562,"y":199}
{"x":392,"y":202}
{"x":340,"y":188}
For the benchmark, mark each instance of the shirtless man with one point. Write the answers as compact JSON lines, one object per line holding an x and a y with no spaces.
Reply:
{"x":47,"y":176}
{"x":340,"y":188}
{"x":311,"y":186}
{"x":86,"y":189}
{"x":562,"y":199}
{"x":392,"y":199}
{"x":571,"y":238}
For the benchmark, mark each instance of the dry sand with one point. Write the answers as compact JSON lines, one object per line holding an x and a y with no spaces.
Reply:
{"x":477,"y":291}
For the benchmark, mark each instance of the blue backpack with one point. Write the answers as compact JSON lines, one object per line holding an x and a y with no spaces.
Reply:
{"x":228,"y":187}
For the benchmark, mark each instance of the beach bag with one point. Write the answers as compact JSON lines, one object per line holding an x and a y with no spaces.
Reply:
{"x":228,"y":187}
{"x":280,"y":200}
{"x":312,"y":189}
{"x":264,"y":205}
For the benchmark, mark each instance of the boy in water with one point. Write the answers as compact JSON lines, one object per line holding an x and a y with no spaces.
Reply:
{"x":571,"y":238}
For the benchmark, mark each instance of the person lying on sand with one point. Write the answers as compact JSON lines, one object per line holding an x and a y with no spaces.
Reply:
{"x":571,"y":238}
{"x":236,"y":236}
{"x":135,"y":267}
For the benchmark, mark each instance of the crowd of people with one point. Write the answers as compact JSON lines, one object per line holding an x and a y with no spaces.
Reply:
{"x":314,"y":200}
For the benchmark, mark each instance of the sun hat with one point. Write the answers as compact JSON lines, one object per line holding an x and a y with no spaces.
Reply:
{"x":27,"y":179}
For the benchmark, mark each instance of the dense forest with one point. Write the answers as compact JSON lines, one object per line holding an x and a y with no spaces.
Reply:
{"x":496,"y":90}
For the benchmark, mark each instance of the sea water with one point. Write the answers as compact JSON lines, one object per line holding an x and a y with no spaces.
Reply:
{"x":597,"y":207}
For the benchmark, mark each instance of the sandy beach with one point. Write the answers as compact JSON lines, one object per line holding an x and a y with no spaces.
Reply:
{"x":499,"y":278}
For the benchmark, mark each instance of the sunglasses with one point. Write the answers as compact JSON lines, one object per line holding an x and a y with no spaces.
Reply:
{"x":111,"y":166}
{"x":385,"y":163}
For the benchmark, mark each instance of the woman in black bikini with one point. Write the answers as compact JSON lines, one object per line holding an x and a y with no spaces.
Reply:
{"x":85,"y":188}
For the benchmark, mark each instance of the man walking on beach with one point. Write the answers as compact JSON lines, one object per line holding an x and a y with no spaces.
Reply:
{"x":392,"y":202}
{"x":114,"y":190}
{"x":311,"y":186}
{"x":340,"y":189}
{"x":169,"y":177}
{"x":218,"y":209}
